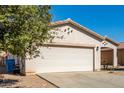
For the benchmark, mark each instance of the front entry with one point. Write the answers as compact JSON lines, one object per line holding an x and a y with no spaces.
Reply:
{"x":106,"y":58}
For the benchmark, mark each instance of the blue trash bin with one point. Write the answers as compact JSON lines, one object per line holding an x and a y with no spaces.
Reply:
{"x":10,"y":65}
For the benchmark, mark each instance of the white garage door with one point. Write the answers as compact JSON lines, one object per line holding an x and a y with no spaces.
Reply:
{"x":62,"y":59}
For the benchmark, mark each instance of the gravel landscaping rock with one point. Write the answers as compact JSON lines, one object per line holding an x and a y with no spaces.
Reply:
{"x":17,"y":81}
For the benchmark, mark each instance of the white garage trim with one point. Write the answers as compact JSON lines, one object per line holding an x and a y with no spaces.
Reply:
{"x":70,"y":45}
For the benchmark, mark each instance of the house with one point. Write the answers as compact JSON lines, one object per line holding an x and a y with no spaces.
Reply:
{"x":76,"y":48}
{"x":107,"y":54}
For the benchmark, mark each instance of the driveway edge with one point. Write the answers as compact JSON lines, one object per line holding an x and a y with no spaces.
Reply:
{"x":47,"y":81}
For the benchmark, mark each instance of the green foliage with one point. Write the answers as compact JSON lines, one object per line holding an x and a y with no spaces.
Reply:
{"x":23,"y":28}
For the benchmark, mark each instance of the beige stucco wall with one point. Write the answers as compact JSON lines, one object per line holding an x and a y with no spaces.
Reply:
{"x":77,"y":36}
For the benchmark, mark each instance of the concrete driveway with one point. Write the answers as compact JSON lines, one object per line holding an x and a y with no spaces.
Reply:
{"x":84,"y":79}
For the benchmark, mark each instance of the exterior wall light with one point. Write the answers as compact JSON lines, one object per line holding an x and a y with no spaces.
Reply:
{"x":97,"y":48}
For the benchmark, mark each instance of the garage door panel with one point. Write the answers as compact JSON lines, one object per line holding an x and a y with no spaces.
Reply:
{"x":61,"y":59}
{"x":65,"y":52}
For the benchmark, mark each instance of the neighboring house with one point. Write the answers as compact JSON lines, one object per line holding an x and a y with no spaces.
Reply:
{"x":107,"y":54}
{"x":76,"y":49}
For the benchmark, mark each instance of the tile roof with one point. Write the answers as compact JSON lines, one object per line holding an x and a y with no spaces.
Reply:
{"x":121,"y":45}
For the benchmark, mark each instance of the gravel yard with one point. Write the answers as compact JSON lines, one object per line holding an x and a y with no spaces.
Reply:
{"x":30,"y":81}
{"x":121,"y":73}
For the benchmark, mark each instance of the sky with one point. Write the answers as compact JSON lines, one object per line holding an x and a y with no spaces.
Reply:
{"x":104,"y":20}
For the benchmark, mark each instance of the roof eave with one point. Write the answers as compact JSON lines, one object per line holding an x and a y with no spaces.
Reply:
{"x":115,"y":43}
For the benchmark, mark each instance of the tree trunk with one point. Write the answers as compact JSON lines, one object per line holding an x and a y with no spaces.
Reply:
{"x":22,"y":65}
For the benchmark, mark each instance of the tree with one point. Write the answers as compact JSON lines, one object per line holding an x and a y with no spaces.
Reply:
{"x":23,"y":29}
